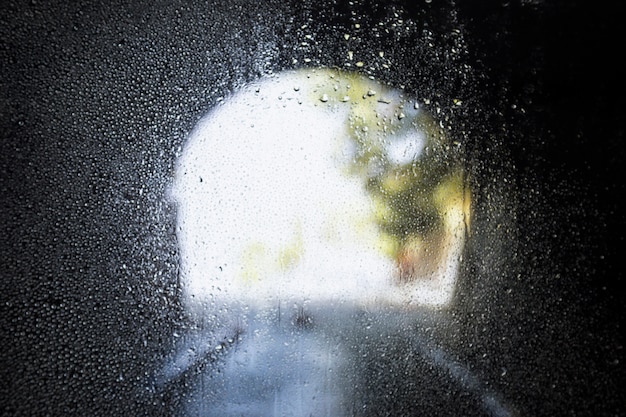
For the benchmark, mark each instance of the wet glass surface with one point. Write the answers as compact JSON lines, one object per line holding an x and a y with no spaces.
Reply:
{"x":316,"y":209}
{"x":323,"y":185}
{"x":311,"y":208}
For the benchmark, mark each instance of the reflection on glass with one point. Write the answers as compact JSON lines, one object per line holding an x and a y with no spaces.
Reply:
{"x":321,"y":185}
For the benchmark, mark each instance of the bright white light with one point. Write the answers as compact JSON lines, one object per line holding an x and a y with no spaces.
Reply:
{"x":267,"y":209}
{"x":406,"y":148}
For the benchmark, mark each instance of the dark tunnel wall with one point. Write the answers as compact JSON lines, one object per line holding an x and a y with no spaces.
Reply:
{"x":558,"y":311}
{"x":97,"y":100}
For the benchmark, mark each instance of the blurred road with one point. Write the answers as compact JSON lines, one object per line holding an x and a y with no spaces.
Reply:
{"x":327,"y":360}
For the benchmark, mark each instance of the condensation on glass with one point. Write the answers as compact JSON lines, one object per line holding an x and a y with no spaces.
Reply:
{"x":319,"y":212}
{"x":321,"y":185}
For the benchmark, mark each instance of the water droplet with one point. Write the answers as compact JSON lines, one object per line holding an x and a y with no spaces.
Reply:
{"x":324,"y":98}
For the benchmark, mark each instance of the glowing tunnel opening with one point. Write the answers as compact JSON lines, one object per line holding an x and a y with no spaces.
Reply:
{"x":320,"y":185}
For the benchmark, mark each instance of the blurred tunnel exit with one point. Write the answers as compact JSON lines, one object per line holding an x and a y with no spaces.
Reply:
{"x":316,"y":209}
{"x":318,"y":185}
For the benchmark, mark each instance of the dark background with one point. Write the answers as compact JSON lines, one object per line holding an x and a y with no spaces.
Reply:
{"x":96,"y":100}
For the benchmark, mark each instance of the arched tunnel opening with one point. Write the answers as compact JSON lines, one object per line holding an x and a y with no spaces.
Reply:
{"x":453,"y":248}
